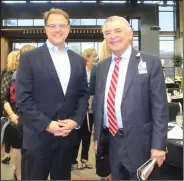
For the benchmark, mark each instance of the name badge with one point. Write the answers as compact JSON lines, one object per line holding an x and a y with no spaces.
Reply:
{"x":142,"y":67}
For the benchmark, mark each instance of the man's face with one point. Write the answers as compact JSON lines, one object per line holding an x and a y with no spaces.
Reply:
{"x":57,"y":29}
{"x":118,"y":36}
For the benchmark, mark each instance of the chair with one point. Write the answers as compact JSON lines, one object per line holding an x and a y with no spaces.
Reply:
{"x":4,"y":123}
{"x":174,"y":108}
{"x":171,"y":90}
{"x":176,"y":85}
{"x":172,"y":85}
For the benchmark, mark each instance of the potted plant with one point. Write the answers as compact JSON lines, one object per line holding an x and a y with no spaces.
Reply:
{"x":177,"y":62}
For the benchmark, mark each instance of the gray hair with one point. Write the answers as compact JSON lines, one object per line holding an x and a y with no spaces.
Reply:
{"x":116,"y":18}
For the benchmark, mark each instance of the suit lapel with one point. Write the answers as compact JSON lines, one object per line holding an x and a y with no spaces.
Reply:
{"x":104,"y":74}
{"x":105,"y":71}
{"x":48,"y":63}
{"x":131,"y":71}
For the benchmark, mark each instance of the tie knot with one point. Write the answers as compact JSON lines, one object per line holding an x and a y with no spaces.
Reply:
{"x":117,"y":59}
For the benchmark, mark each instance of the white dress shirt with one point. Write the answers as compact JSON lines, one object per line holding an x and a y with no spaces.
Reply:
{"x":61,"y":63}
{"x":123,"y":65}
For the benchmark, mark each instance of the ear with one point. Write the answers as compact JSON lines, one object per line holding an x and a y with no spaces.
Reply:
{"x":131,"y":33}
{"x":130,"y":37}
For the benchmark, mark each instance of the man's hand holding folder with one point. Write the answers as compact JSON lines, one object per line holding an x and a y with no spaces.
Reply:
{"x":159,"y":156}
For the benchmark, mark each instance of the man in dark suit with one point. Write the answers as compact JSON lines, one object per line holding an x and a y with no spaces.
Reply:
{"x":130,"y":103}
{"x":52,"y":97}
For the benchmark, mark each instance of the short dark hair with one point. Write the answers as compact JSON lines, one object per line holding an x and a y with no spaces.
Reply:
{"x":55,"y":11}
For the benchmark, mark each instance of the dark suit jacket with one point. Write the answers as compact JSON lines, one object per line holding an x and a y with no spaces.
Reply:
{"x":92,"y":80}
{"x":40,"y":97}
{"x":144,"y":107}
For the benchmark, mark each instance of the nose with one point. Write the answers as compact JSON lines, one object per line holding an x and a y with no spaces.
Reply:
{"x":58,"y":28}
{"x":112,"y":35}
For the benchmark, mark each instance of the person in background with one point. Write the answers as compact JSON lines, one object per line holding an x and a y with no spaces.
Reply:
{"x":104,"y":53}
{"x":2,"y":73}
{"x":84,"y":133}
{"x":130,"y":105}
{"x":7,"y":145}
{"x":24,"y":49}
{"x":52,"y":97}
{"x":102,"y":164}
{"x":6,"y":159}
{"x":1,"y":106}
{"x":11,"y":134}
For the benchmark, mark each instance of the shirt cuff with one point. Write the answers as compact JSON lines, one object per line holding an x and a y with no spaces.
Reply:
{"x":78,"y":127}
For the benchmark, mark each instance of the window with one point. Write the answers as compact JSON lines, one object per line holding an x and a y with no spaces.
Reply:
{"x":75,"y":46}
{"x":17,"y":46}
{"x":166,"y":53}
{"x":25,"y":22}
{"x":114,"y":1}
{"x":166,"y":21}
{"x":85,"y":22}
{"x":88,"y":1}
{"x":166,"y":8}
{"x":38,"y":22}
{"x":167,"y":41}
{"x":166,"y":45}
{"x":97,"y":47}
{"x":39,"y":1}
{"x":14,"y":1}
{"x":134,"y":24}
{"x":9,"y":22}
{"x":100,"y":22}
{"x":136,"y":43}
{"x":75,"y":22}
{"x":85,"y":45}
{"x":169,"y":71}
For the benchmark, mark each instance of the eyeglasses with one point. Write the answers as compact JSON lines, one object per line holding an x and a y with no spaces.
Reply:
{"x":54,"y":26}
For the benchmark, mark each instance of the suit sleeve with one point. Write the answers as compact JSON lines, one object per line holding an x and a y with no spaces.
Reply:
{"x":24,"y":96}
{"x":96,"y":107}
{"x":82,"y":104}
{"x":159,"y":106}
{"x":92,"y":80}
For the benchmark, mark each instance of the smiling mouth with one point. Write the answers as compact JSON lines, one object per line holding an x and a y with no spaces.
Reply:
{"x":114,"y":42}
{"x":58,"y":35}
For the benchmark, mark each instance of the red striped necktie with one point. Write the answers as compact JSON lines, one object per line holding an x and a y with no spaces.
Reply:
{"x":111,"y":112}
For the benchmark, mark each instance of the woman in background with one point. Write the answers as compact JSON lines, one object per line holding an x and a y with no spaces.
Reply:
{"x":8,"y":100}
{"x":84,"y":133}
{"x":105,"y":52}
{"x":11,"y":133}
{"x":102,"y":164}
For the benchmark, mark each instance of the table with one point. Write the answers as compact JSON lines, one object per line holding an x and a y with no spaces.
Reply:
{"x":175,"y":151}
{"x":172,"y":168}
{"x":172,"y":85}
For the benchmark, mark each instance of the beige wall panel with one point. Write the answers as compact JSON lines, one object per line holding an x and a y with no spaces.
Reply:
{"x":5,"y":49}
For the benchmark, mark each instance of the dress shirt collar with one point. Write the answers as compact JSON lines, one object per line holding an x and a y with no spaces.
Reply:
{"x":55,"y":48}
{"x":125,"y":55}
